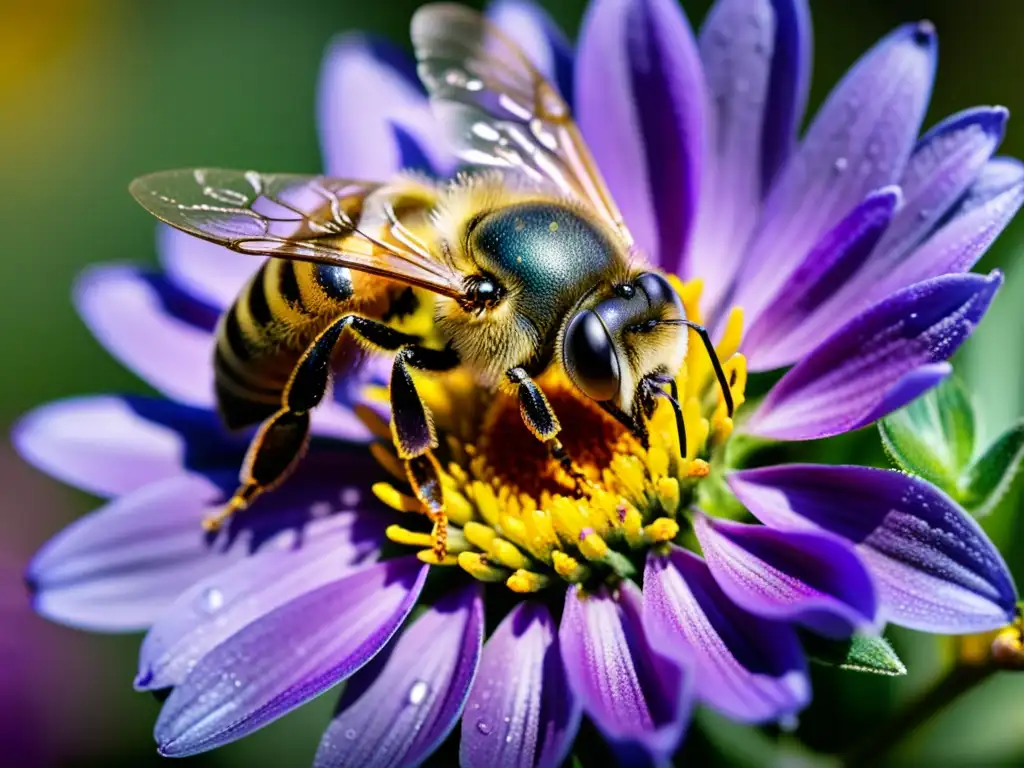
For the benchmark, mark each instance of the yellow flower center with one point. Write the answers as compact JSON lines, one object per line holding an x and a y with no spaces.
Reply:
{"x":517,"y":517}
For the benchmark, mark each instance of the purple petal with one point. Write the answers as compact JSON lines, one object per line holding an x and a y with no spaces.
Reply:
{"x":944,"y":164}
{"x":789,"y":84}
{"x":640,"y":105}
{"x":211,"y":273}
{"x":127,"y":310}
{"x":859,"y":141}
{"x":942,"y":167}
{"x":402,"y":705}
{"x":801,"y":576}
{"x":861,"y":372}
{"x":737,"y":48}
{"x":120,"y":567}
{"x":968,"y":232}
{"x":116,"y":569}
{"x":294,"y":653}
{"x":373,"y":115}
{"x":633,"y":693}
{"x":934,"y":568}
{"x":530,"y":27}
{"x":520,"y":712}
{"x":749,"y":668}
{"x":910,"y":387}
{"x":735,"y":43}
{"x":218,"y":606}
{"x":784,"y":333}
{"x":110,"y":446}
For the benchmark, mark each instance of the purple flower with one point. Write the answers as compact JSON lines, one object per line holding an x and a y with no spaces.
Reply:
{"x":847,"y":249}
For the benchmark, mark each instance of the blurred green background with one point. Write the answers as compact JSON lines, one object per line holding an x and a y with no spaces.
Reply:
{"x":96,"y":92}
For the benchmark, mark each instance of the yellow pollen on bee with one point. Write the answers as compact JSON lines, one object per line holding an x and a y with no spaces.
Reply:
{"x":516,"y":517}
{"x":553,"y":226}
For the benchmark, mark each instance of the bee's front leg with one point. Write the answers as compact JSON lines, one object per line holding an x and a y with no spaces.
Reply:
{"x":540,"y":419}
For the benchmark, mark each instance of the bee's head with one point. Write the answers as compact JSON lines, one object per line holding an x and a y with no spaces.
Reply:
{"x":618,"y":350}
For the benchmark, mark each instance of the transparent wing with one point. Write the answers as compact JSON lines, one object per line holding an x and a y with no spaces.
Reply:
{"x":498,"y":110}
{"x":312,"y":218}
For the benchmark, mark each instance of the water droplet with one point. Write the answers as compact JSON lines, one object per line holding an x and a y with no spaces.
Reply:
{"x":418,"y":692}
{"x":210,"y":600}
{"x":350,"y":497}
{"x":483,"y":727}
{"x":840,"y":164}
{"x":350,"y":734}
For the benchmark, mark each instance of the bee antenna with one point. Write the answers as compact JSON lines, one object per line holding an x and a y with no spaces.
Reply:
{"x":680,"y":424}
{"x":715,"y":362}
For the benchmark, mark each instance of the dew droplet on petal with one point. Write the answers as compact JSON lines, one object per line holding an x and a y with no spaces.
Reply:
{"x":210,"y":600}
{"x":483,"y":727}
{"x":418,"y":692}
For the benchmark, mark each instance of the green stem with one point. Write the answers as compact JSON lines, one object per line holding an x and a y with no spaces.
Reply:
{"x":944,"y":692}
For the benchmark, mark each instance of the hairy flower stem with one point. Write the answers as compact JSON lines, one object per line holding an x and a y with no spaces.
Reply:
{"x":958,"y":681}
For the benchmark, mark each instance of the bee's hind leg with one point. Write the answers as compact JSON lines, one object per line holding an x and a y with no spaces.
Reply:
{"x":282,"y":439}
{"x":540,"y":419}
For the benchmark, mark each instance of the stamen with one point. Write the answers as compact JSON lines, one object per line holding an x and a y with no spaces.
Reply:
{"x":569,"y":568}
{"x":388,"y":461}
{"x":395,"y":499}
{"x":477,"y":566}
{"x":514,"y":518}
{"x":527,"y":581}
{"x":480,"y":536}
{"x":429,"y":556}
{"x":373,"y":421}
{"x":592,"y":546}
{"x":505,"y":553}
{"x":661,"y":530}
{"x":400,"y":535}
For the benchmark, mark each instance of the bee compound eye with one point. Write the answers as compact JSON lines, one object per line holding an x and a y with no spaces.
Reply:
{"x":590,"y":358}
{"x":659,"y":291}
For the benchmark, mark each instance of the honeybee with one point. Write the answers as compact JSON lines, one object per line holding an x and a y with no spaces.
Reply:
{"x":524,"y":264}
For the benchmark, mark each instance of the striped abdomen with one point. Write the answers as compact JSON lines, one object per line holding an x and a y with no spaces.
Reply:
{"x":279,"y":312}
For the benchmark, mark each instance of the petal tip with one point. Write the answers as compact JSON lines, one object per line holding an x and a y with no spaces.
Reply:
{"x":924,"y":33}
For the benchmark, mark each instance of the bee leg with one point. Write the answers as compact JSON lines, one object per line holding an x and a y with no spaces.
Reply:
{"x":540,"y":419}
{"x":413,"y":432}
{"x":282,"y":439}
{"x":412,"y":428}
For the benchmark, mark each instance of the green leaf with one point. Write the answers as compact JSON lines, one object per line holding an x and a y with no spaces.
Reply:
{"x":933,"y":437}
{"x":989,"y":478}
{"x":861,"y":653}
